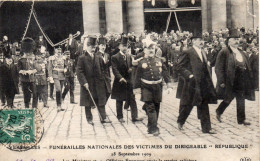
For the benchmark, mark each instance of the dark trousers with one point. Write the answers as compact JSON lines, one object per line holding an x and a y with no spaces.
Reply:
{"x":152,"y":109}
{"x":2,"y":97}
{"x":8,"y":95}
{"x":240,"y":99}
{"x":133,"y":107}
{"x":58,"y":87}
{"x":69,"y":86}
{"x":51,"y":89}
{"x":203,"y":114}
{"x":42,"y":92}
{"x":88,"y":113}
{"x":29,"y":89}
{"x":101,"y":110}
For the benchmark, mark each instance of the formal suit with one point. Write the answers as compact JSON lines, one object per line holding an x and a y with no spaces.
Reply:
{"x":254,"y":64}
{"x":122,"y":68}
{"x":85,"y":74}
{"x":102,"y":80}
{"x":9,"y":82}
{"x":196,"y":91}
{"x":72,"y":46}
{"x":238,"y":79}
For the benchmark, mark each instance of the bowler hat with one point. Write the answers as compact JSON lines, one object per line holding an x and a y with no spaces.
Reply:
{"x":124,"y":40}
{"x":28,"y":45}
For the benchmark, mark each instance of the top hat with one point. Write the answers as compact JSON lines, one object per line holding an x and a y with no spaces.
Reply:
{"x":234,"y":33}
{"x":196,"y":36}
{"x":92,"y":41}
{"x":28,"y":45}
{"x":102,"y":40}
{"x":124,"y":41}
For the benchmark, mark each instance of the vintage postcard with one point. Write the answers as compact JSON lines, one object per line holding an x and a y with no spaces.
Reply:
{"x":129,"y":80}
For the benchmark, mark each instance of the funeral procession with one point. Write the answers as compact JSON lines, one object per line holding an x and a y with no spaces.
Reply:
{"x":134,"y":69}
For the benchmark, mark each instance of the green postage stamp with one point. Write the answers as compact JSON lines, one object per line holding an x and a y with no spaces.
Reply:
{"x":20,"y":129}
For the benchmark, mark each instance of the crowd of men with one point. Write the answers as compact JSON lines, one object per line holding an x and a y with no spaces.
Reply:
{"x":141,"y":64}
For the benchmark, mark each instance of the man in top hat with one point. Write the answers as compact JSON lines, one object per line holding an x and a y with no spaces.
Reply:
{"x":2,"y":58}
{"x":69,"y":77}
{"x":72,"y":46}
{"x":56,"y":70}
{"x":41,"y":78}
{"x":195,"y":87}
{"x":122,"y":89}
{"x":85,"y":74}
{"x":149,"y":75}
{"x":9,"y":80}
{"x":234,"y":78}
{"x":102,"y":78}
{"x":27,"y":70}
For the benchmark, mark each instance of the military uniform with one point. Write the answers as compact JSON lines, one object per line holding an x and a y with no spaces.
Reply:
{"x":56,"y":71}
{"x":41,"y":80}
{"x":149,"y":75}
{"x":26,"y":65}
{"x":69,"y":79}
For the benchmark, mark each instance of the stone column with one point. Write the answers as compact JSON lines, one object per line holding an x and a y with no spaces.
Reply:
{"x":135,"y":10}
{"x":249,"y":14}
{"x":90,"y":11}
{"x":218,"y":14}
{"x":114,"y":16}
{"x":238,"y":13}
{"x":256,"y":13}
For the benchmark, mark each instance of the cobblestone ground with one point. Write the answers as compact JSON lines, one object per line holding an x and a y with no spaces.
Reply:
{"x":71,"y":124}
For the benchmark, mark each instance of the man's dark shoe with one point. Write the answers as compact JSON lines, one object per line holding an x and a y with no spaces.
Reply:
{"x":2,"y":104}
{"x":180,"y":126}
{"x":105,"y":121}
{"x":245,"y":123}
{"x":46,"y":106}
{"x":137,"y":119}
{"x":209,"y":132}
{"x":91,"y":122}
{"x":218,"y":116}
{"x":51,"y":97}
{"x":154,"y":132}
{"x":73,"y":102}
{"x":121,"y":120}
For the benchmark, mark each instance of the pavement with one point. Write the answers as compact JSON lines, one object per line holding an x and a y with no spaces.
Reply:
{"x":71,"y":124}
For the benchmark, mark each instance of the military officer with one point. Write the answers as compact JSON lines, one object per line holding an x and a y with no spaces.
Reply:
{"x":56,"y":69}
{"x":149,"y":75}
{"x":27,"y":70}
{"x":41,"y":79}
{"x":69,"y":77}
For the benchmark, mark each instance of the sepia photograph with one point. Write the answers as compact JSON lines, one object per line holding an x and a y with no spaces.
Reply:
{"x":129,"y":80}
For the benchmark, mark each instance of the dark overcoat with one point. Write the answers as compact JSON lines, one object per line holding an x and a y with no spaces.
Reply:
{"x":102,"y":78}
{"x":85,"y":74}
{"x":121,"y":69}
{"x":254,"y":64}
{"x":190,"y":90}
{"x":9,"y":77}
{"x":225,"y":70}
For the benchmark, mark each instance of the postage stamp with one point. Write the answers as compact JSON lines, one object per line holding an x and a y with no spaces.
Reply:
{"x":20,"y":129}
